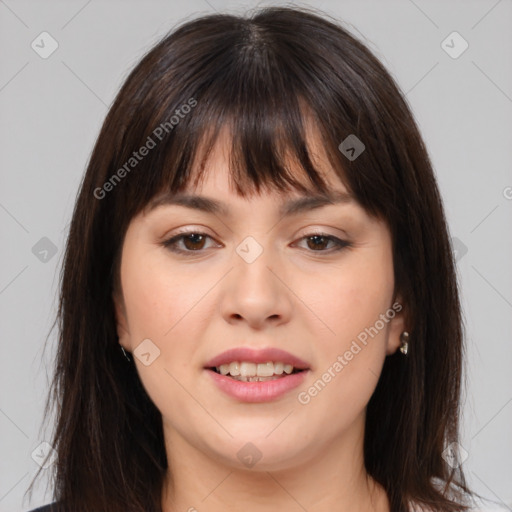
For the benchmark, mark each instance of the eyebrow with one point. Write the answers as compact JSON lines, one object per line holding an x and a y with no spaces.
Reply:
{"x":290,"y":207}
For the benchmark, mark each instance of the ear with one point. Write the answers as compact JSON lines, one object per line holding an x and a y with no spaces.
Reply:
{"x":121,"y":322}
{"x":398,"y":324}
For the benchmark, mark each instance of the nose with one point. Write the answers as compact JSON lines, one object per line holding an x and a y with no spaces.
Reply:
{"x":255,"y":291}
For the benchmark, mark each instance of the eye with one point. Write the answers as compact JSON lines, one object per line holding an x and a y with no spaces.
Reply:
{"x":194,"y":241}
{"x":319,"y":240}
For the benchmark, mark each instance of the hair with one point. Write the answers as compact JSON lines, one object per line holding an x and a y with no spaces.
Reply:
{"x":263,"y":75}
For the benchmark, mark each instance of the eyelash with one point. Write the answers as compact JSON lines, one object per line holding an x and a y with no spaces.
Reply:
{"x":172,"y":242}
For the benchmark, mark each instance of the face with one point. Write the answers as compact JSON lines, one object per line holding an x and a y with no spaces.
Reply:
{"x":317,"y":284}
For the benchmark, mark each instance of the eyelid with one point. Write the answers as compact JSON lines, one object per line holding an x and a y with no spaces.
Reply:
{"x":199,"y":229}
{"x":324,"y":232}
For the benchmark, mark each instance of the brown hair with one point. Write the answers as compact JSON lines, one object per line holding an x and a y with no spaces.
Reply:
{"x":260,"y":75}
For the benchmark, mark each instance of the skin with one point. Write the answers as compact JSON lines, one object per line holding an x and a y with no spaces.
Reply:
{"x":298,"y":296}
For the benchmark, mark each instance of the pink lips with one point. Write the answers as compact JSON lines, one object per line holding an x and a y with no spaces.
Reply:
{"x":250,"y":355}
{"x":257,"y":391}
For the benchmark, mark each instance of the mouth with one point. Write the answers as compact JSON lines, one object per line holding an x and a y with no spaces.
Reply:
{"x":249,"y":375}
{"x":252,"y":372}
{"x":256,"y":388}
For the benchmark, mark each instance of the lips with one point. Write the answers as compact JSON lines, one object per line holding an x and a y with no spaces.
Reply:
{"x":250,"y":355}
{"x":250,"y":389}
{"x":258,"y":392}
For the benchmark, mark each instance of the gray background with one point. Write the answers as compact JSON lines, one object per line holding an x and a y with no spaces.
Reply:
{"x":52,"y":110}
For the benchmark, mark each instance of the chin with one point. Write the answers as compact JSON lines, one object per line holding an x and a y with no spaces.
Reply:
{"x":258,"y":452}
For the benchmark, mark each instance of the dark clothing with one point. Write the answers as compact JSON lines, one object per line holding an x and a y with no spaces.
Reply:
{"x":51,"y":507}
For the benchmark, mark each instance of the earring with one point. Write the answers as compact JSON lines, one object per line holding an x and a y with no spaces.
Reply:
{"x":125,"y":355}
{"x":404,"y":342}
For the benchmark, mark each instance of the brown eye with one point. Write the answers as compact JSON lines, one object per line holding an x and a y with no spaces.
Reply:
{"x":194,"y":241}
{"x":191,"y":241}
{"x":318,"y":242}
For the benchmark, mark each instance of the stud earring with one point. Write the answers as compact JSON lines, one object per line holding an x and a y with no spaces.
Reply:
{"x":404,"y":342}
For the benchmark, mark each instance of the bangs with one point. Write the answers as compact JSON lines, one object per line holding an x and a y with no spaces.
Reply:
{"x":241,"y":87}
{"x":269,"y":146}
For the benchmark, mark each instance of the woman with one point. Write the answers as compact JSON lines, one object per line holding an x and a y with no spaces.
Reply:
{"x":259,"y":307}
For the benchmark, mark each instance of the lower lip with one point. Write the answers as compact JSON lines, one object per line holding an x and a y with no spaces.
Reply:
{"x":258,"y":391}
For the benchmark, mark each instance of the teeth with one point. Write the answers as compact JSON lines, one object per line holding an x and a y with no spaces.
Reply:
{"x":265,"y":369}
{"x":248,"y":369}
{"x":278,"y":368}
{"x":256,"y":379}
{"x":244,"y":369}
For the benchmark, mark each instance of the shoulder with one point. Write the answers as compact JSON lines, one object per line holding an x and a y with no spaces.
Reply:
{"x":51,"y":507}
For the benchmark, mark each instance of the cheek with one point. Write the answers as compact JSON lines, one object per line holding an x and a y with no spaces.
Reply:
{"x":168,"y":308}
{"x":157,"y":298}
{"x":160,"y":307}
{"x":348,"y":366}
{"x":352,"y":348}
{"x":356,"y":293}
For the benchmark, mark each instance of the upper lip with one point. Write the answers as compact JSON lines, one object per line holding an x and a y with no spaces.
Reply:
{"x":250,"y":355}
